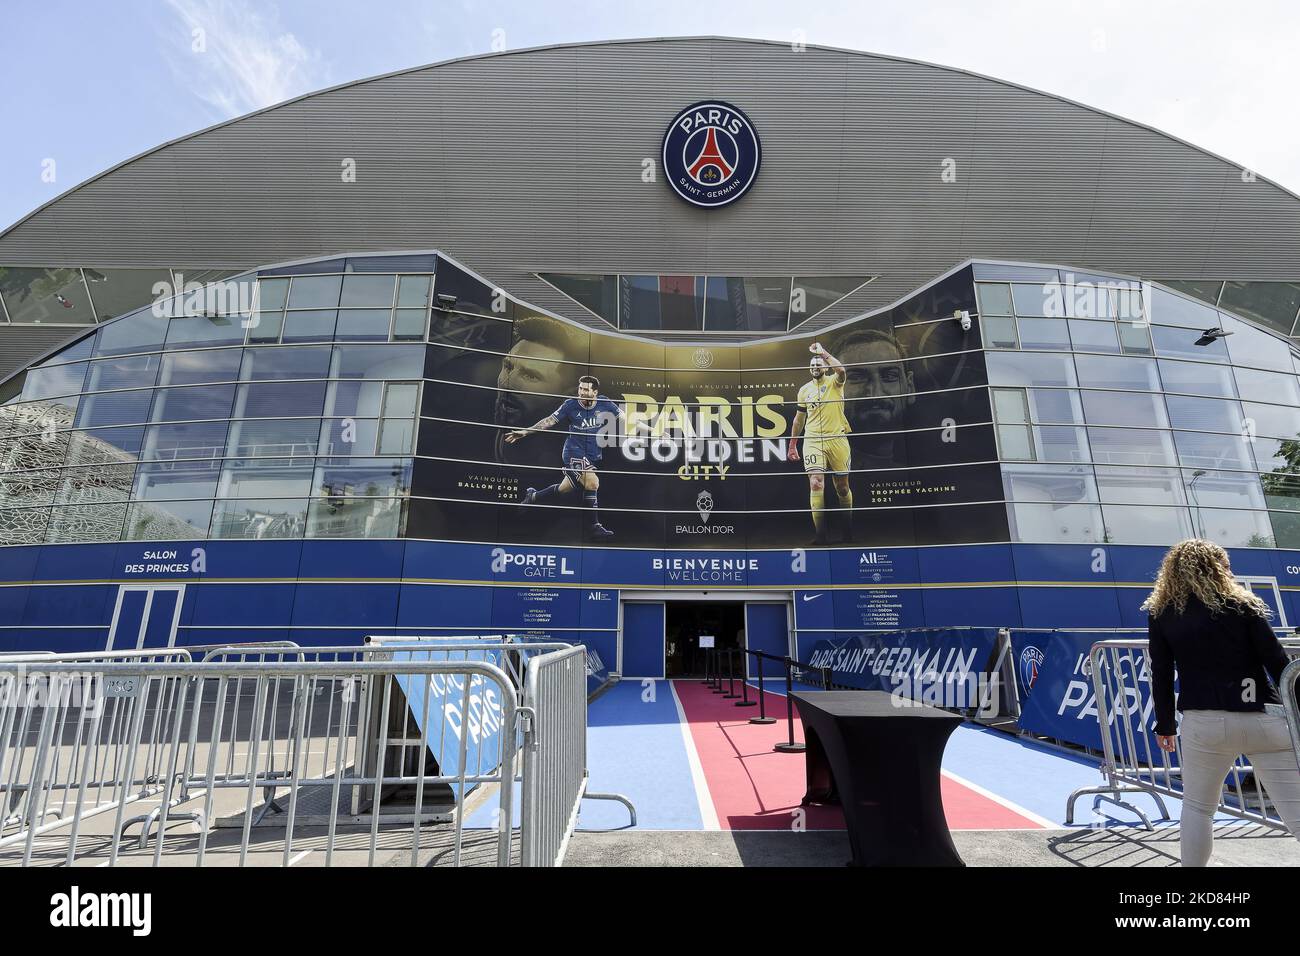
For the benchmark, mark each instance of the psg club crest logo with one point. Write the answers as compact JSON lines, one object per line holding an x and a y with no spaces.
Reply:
{"x":711,"y":154}
{"x":1031,"y":662}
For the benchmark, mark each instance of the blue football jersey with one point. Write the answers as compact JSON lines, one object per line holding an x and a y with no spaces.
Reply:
{"x":585,"y":425}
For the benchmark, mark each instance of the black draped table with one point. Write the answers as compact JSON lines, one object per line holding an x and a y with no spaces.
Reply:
{"x":879,"y":755}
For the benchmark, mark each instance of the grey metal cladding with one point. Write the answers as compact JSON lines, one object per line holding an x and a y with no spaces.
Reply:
{"x":531,"y":161}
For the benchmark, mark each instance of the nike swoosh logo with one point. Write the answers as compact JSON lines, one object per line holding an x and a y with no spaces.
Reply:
{"x":811,"y":597}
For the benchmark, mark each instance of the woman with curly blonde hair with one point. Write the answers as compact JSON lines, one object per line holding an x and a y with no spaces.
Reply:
{"x":1216,"y":633}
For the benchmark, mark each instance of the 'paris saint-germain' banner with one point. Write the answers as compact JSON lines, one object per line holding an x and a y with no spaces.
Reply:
{"x":1057,"y":699}
{"x":946,"y":667}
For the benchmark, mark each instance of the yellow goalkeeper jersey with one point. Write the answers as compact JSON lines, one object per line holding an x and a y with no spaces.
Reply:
{"x":822,"y":402}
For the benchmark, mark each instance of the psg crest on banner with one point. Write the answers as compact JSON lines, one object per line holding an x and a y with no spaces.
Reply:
{"x":711,"y":154}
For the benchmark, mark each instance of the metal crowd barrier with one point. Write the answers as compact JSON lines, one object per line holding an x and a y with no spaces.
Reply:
{"x":1131,"y":762}
{"x":1289,"y":691}
{"x":276,"y":751}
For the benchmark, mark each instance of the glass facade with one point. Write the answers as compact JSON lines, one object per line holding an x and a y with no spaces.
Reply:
{"x":369,"y":398}
{"x":1179,"y":436}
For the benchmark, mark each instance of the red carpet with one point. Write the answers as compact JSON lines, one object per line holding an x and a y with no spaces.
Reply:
{"x":755,"y":788}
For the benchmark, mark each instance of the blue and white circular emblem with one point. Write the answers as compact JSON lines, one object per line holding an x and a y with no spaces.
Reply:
{"x":711,"y":154}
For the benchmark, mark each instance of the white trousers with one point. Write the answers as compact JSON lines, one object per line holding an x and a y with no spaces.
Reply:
{"x":1210,"y":740}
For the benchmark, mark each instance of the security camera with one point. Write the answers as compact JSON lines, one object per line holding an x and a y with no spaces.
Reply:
{"x":962,"y":316}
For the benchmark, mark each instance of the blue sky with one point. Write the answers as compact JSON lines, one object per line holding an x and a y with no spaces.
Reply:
{"x":89,"y":84}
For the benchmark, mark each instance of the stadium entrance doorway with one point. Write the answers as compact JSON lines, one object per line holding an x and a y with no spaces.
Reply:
{"x":686,"y":621}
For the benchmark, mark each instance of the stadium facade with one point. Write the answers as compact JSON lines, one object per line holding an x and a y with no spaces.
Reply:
{"x":260,"y":379}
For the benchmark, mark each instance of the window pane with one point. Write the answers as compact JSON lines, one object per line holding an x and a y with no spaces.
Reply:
{"x":193,"y":403}
{"x":277,"y":399}
{"x":1131,"y":446}
{"x":1056,"y":523}
{"x":1125,"y":408}
{"x":1234,"y":529}
{"x":1060,"y":443}
{"x":1135,"y":338}
{"x":1197,"y":378}
{"x":1269,"y":303}
{"x":1046,"y":334}
{"x":349,"y":436}
{"x":1276,"y":454}
{"x":200,"y":367}
{"x":378,"y":361}
{"x":1071,"y":483}
{"x":286,"y":362}
{"x":45,"y":296}
{"x":181,"y":479}
{"x":267,"y":478}
{"x":1169,"y":309}
{"x":192,"y":331}
{"x":1181,"y":343}
{"x":116,"y":291}
{"x":316,"y":326}
{"x":168,"y":521}
{"x":95,"y":484}
{"x":263,"y":437}
{"x":355,"y":518}
{"x":1205,"y":414}
{"x":85,"y":523}
{"x":1274,"y":420}
{"x":413,"y":292}
{"x":1140,"y":486}
{"x":23,"y":525}
{"x":409,"y":324}
{"x":734,"y":304}
{"x":1086,"y":299}
{"x":1101,"y":371}
{"x":396,"y":436}
{"x":1053,"y":405}
{"x":136,"y":371}
{"x":1282,"y":492}
{"x":1009,"y":406}
{"x":53,"y":380}
{"x":400,"y":400}
{"x":1015,"y":443}
{"x":1224,"y":489}
{"x":28,"y":489}
{"x":272,"y":294}
{"x":114,"y":408}
{"x":999,"y":332}
{"x":470,"y":295}
{"x":1007,"y":368}
{"x":1129,"y":524}
{"x":994,"y":299}
{"x":363,"y":325}
{"x":105,"y":445}
{"x":810,"y":295}
{"x":1038,"y":299}
{"x":1286,"y":528}
{"x":353,"y":398}
{"x":259,"y":519}
{"x":203,"y":440}
{"x":1275,"y":387}
{"x":315,"y":292}
{"x":1094,"y":336}
{"x":367,"y":290}
{"x":138,"y":332}
{"x":1197,"y":450}
{"x":382,"y":478}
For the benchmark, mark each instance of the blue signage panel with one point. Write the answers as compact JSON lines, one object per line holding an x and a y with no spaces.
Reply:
{"x":941,"y":666}
{"x":535,"y":608}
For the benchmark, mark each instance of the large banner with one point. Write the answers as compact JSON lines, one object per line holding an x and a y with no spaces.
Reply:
{"x":1056,"y":690}
{"x":945,"y":667}
{"x":692,"y":443}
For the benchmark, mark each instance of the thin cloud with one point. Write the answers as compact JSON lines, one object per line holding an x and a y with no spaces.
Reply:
{"x":247,"y":62}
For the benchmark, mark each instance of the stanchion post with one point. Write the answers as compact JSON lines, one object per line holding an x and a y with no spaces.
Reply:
{"x":717,"y":670}
{"x":790,"y":746}
{"x":731,"y":675}
{"x":744,"y":681}
{"x":762,"y":717}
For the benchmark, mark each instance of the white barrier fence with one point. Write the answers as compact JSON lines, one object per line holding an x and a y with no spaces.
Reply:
{"x":1132,"y":764}
{"x":279,"y":754}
